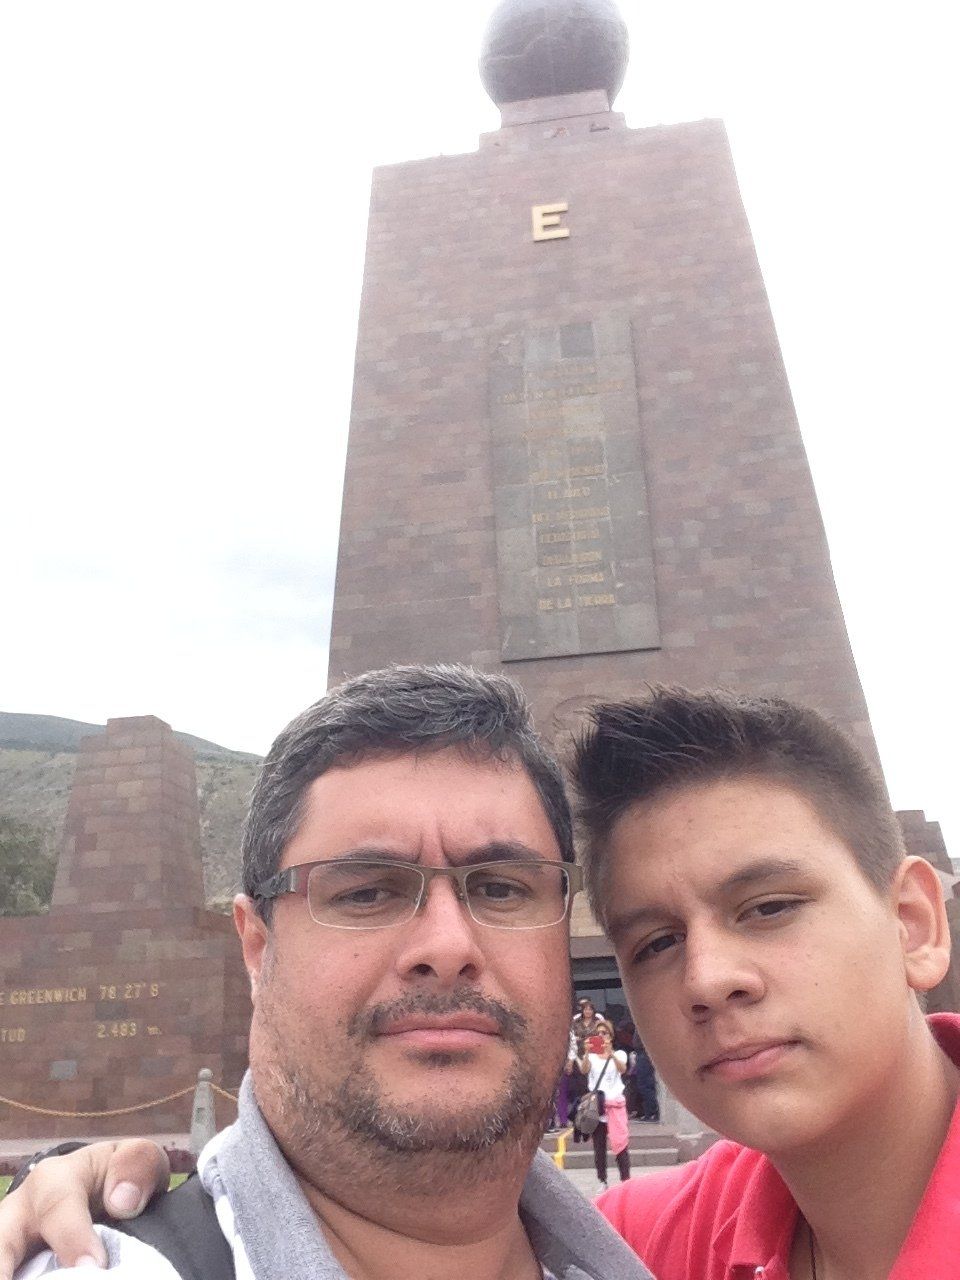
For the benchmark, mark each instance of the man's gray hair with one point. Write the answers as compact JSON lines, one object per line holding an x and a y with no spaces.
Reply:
{"x":397,"y":711}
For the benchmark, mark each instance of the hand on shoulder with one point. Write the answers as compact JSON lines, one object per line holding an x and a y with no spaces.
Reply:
{"x":58,"y":1200}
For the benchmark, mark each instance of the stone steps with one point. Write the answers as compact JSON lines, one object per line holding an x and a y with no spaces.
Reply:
{"x":581,"y":1157}
{"x":650,"y":1144}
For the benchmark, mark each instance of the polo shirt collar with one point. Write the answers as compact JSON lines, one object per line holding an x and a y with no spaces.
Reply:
{"x":761,"y":1227}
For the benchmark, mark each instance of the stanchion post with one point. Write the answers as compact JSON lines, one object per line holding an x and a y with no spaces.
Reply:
{"x":203,"y":1125}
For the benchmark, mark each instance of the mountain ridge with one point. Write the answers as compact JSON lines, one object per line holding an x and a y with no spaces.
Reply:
{"x":22,"y":731}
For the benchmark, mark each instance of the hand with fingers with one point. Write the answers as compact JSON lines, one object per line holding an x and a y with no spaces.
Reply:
{"x":57,"y":1202}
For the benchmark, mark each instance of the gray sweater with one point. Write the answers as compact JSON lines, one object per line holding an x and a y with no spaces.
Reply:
{"x":275,"y":1234}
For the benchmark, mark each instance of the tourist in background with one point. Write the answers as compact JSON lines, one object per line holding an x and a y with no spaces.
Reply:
{"x":576,"y":1080}
{"x":562,"y":1098}
{"x":604,"y":1071}
{"x":623,"y":1038}
{"x":585,"y":1023}
{"x":647,"y":1105}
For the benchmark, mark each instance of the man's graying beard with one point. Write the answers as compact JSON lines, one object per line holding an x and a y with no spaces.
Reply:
{"x":357,"y":1103}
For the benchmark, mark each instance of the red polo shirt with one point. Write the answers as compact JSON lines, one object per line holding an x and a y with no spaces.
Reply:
{"x":729,"y":1215}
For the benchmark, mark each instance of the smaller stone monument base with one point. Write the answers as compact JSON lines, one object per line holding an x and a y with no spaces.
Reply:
{"x":129,"y":986}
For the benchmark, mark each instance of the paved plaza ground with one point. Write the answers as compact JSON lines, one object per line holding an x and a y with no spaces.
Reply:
{"x":585,"y":1180}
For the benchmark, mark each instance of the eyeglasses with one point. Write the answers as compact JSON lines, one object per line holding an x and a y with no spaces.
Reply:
{"x":376,"y":893}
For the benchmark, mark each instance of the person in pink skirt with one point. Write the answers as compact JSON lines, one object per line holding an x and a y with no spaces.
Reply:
{"x":604,"y":1067}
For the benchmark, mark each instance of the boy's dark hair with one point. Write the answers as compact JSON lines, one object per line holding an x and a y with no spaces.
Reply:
{"x":635,"y":750}
{"x":394,"y":712}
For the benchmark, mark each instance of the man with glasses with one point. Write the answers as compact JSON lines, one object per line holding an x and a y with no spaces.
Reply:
{"x":407,"y":873}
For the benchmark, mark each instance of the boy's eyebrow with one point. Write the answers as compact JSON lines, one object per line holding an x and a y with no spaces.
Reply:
{"x":753,"y":874}
{"x":620,"y":923}
{"x":765,"y":869}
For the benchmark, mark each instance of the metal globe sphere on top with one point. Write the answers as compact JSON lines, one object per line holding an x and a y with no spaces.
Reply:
{"x":543,"y":48}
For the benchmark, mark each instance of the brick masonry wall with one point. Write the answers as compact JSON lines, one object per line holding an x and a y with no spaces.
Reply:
{"x":100,"y":1012}
{"x":132,"y":831}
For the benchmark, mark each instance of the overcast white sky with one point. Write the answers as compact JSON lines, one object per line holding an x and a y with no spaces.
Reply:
{"x":182,"y":220}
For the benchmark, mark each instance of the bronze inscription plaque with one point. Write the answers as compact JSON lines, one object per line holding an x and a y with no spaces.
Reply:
{"x":574,"y":551}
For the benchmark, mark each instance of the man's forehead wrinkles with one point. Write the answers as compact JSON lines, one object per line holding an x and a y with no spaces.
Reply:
{"x":489,"y":851}
{"x":378,"y":851}
{"x":501,"y":851}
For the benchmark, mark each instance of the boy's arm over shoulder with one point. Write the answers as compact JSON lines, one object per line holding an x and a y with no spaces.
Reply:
{"x":670,"y":1218}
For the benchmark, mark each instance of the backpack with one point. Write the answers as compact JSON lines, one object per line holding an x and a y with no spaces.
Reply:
{"x":183,"y":1226}
{"x":586,"y":1118}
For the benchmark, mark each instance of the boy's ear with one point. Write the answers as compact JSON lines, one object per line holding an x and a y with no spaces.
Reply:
{"x":917,"y":896}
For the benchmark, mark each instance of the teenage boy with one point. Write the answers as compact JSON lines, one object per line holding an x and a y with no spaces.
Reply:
{"x":775,"y":944}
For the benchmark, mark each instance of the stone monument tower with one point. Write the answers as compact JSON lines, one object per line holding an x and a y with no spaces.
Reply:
{"x":573,"y":453}
{"x":129,"y":986}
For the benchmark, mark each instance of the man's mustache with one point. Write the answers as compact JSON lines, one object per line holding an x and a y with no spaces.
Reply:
{"x":511,"y":1025}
